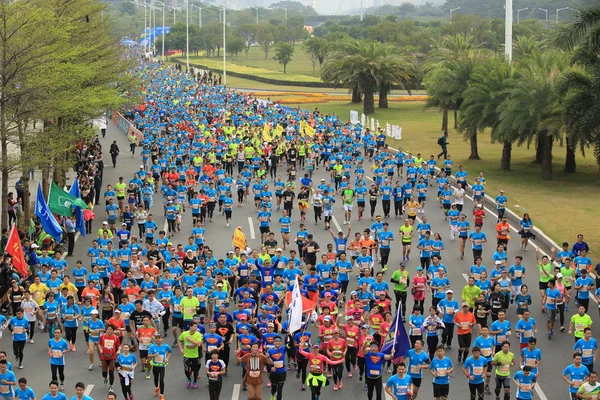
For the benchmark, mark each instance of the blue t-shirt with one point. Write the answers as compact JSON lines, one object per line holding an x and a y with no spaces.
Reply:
{"x":441,"y":367}
{"x":59,"y":396}
{"x":587,"y":349}
{"x":524,"y":394}
{"x":26,"y":394}
{"x":576,"y":375}
{"x":19,"y":328}
{"x":6,"y":391}
{"x":416,"y":359}
{"x":475,"y":368}
{"x":374,"y":363}
{"x":278,"y":357}
{"x":56,"y":351}
{"x":400,"y":386}
{"x":531,"y":357}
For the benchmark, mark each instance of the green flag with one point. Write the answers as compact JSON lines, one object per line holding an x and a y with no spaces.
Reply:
{"x":61,"y":202}
{"x":31,"y":227}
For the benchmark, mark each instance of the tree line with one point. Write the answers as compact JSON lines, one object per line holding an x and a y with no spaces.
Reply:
{"x":59,"y":68}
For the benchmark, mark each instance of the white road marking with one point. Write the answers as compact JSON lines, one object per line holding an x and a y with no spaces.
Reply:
{"x":335,"y":222}
{"x":466,"y":277}
{"x":236,"y":392}
{"x":252,"y":236}
{"x":88,"y":390}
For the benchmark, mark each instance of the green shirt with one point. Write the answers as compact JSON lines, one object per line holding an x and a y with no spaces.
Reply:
{"x":348,"y":195}
{"x":580,"y":322}
{"x":568,"y":276}
{"x":506,"y":359}
{"x":188,"y":307}
{"x":190,"y":350}
{"x":402,"y":277}
{"x":548,"y":268}
{"x":588,"y":388}
{"x":470,"y":294}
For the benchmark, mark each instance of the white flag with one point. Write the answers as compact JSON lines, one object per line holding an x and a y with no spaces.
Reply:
{"x":295,"y":310}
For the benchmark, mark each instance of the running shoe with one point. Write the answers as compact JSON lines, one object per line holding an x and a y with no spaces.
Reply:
{"x":335,"y":388}
{"x":188,"y":384}
{"x":156,"y":391}
{"x":194,"y":385}
{"x":349,"y":374}
{"x":91,"y":367}
{"x":303,"y":387}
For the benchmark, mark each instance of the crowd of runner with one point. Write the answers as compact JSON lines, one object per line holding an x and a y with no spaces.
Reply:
{"x":207,"y":151}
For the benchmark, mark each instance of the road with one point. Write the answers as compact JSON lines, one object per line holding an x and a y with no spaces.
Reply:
{"x":556,"y":353}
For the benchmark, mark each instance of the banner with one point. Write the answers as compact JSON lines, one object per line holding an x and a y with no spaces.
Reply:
{"x":61,"y":202}
{"x":49,"y":223}
{"x":15,"y":249}
{"x":353,"y":117}
{"x":239,"y":239}
{"x":126,"y":127}
{"x":396,"y":342}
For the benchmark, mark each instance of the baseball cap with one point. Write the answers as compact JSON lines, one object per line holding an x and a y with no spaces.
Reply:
{"x":479,"y":206}
{"x":498,"y":262}
{"x":94,"y":312}
{"x":117,"y":311}
{"x":465,"y":304}
{"x":104,"y":223}
{"x":449,"y":291}
{"x":559,"y":275}
{"x":327,"y":318}
{"x":419,"y":268}
{"x":350,"y":317}
{"x":34,"y":246}
{"x":365,"y":326}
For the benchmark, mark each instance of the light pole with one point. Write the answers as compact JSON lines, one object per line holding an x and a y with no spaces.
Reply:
{"x":256,"y":8}
{"x":561,"y":9}
{"x":199,"y":14}
{"x":224,"y":48}
{"x":174,"y":14}
{"x":187,"y":35}
{"x":508,"y":22}
{"x":163,"y":28}
{"x":519,"y":13}
{"x":546,"y":11}
{"x":361,"y":10}
{"x":146,"y":45}
{"x":454,"y":9}
{"x":285,"y":10}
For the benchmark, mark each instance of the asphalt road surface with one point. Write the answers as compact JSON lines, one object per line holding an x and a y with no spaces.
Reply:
{"x":556,"y":353}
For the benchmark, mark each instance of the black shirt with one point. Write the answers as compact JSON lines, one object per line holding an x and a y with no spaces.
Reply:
{"x":138,"y":317}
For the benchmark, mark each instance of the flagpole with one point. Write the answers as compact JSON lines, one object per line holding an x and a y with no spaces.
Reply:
{"x":396,"y":331}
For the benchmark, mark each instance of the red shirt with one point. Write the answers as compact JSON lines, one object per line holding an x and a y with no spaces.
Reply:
{"x":109,"y":346}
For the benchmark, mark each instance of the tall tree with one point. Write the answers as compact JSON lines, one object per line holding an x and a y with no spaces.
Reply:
{"x":580,"y":89}
{"x":248,"y":34}
{"x":317,"y":49}
{"x":283,"y":54}
{"x":265,"y":36}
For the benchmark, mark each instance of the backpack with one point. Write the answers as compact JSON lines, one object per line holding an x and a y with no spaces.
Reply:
{"x":440,"y":141}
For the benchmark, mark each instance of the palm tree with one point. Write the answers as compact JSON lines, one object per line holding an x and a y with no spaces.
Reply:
{"x":366,"y":66}
{"x":532,"y":109}
{"x":489,"y":87}
{"x":451,"y":65}
{"x":580,"y":89}
{"x":584,"y":30}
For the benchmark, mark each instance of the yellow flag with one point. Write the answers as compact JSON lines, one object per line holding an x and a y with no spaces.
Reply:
{"x":309,"y":130}
{"x":266,"y":133}
{"x":239,"y":239}
{"x":278,"y":130}
{"x":302,"y":127}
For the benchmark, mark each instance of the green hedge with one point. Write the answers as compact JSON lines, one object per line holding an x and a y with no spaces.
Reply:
{"x":271,"y":81}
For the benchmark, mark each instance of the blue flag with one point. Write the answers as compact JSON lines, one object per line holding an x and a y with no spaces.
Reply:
{"x":79,"y":221}
{"x":396,"y":340}
{"x":49,"y":223}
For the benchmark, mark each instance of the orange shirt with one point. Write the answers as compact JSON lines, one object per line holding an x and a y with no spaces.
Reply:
{"x":146,"y":336}
{"x":153,"y":271}
{"x":133,"y":293}
{"x":93,"y":294}
{"x":500,"y":226}
{"x":464,"y":322}
{"x":367,"y":242}
{"x":119,"y":325}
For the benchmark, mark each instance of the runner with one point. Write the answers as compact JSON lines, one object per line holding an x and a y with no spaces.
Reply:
{"x":190,"y":345}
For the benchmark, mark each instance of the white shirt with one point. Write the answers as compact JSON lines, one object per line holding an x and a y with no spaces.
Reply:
{"x":459,"y":196}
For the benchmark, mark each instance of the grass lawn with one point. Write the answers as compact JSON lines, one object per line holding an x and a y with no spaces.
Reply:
{"x":562,"y":208}
{"x":300,"y":63}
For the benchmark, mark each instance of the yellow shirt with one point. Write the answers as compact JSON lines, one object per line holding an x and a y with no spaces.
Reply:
{"x":38,"y":292}
{"x":70,"y":287}
{"x":120,"y":189}
{"x":411,"y":208}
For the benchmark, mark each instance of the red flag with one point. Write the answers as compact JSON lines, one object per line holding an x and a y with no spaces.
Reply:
{"x":14,"y":248}
{"x":307,"y":304}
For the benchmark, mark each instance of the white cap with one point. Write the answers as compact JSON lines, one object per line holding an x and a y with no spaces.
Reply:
{"x":559,"y":275}
{"x":449,"y":291}
{"x":498,"y":262}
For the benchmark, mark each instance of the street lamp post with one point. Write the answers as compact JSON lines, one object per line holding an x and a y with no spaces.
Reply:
{"x":508,"y":22}
{"x":454,"y":9}
{"x":546,"y":11}
{"x":199,"y":14}
{"x":519,"y":13}
{"x":145,"y":26}
{"x":256,"y":8}
{"x":187,"y":35}
{"x":285,"y":10}
{"x":163,"y":28}
{"x":561,"y":9}
{"x":224,"y":45}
